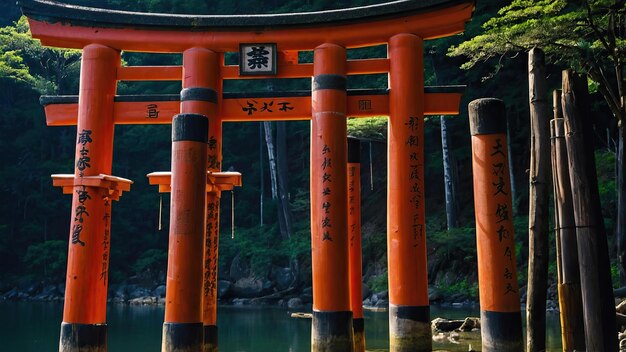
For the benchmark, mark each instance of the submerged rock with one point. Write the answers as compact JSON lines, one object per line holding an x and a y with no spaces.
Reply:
{"x":445,"y":325}
{"x":469,"y":324}
{"x":248,"y":287}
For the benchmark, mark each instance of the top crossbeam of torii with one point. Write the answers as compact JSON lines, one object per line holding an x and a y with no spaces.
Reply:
{"x":69,"y":26}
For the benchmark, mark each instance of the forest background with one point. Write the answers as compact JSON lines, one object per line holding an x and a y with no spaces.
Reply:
{"x":34,"y":216}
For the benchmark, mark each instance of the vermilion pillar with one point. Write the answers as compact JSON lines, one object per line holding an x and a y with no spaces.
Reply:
{"x":200,"y":95}
{"x":501,"y":323}
{"x":354,"y":233}
{"x":84,"y":314}
{"x":409,"y":312}
{"x":332,"y":318}
{"x":183,"y":328}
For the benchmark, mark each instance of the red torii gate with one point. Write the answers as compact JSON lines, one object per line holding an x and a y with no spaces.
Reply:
{"x":196,"y":117}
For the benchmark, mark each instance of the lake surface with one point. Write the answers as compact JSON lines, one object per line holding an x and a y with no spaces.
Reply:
{"x":34,"y":327}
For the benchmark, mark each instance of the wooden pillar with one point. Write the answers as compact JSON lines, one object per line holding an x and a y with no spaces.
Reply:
{"x":354,"y":232}
{"x":409,"y":311}
{"x":501,"y":323}
{"x":183,"y":327}
{"x":332,"y":318}
{"x":593,"y":253}
{"x":539,"y":197}
{"x":200,"y":95}
{"x":570,"y":301}
{"x":84,"y":314}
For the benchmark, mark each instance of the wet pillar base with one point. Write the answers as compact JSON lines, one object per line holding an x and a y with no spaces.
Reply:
{"x":182,"y":337}
{"x":501,"y":331}
{"x":409,"y":329}
{"x":83,"y":338}
{"x":358,"y":326}
{"x":331,"y":332}
{"x":210,"y":338}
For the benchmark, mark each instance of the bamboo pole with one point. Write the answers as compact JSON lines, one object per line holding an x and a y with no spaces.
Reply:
{"x":593,"y":254}
{"x":539,"y":195}
{"x":570,"y":301}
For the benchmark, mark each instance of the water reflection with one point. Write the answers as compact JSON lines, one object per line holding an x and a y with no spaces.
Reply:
{"x":34,"y":327}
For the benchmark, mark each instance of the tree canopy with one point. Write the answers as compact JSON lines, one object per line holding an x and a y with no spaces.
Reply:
{"x":587,"y":35}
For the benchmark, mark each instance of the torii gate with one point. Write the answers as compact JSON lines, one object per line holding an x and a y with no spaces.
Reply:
{"x":268,"y":47}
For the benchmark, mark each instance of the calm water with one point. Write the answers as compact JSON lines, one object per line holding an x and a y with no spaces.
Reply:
{"x":34,"y":327}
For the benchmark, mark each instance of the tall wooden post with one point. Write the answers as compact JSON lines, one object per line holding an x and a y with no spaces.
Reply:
{"x":570,"y":301}
{"x":593,"y":253}
{"x":183,"y":328}
{"x":200,"y":95}
{"x":501,"y":323}
{"x":409,"y":311}
{"x":354,"y":231}
{"x":84,"y":314}
{"x":332,"y":318}
{"x":539,"y":195}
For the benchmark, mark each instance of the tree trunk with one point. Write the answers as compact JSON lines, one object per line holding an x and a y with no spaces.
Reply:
{"x":570,"y":301}
{"x":620,"y":229}
{"x":448,"y":176}
{"x":284,"y":210}
{"x":261,"y":173}
{"x":593,"y":253}
{"x":538,"y":203}
{"x":269,"y":142}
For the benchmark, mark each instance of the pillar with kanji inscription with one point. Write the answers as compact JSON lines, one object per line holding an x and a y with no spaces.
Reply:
{"x":501,"y":322}
{"x":183,"y":327}
{"x":354,"y":242}
{"x":409,"y":311}
{"x":200,"y":95}
{"x":332,"y":317}
{"x":84,"y":314}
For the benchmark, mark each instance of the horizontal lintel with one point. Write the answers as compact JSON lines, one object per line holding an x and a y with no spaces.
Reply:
{"x":238,"y":107}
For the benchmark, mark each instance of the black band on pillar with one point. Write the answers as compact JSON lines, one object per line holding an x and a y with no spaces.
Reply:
{"x":83,"y":336}
{"x":199,"y":94}
{"x":487,"y":116}
{"x":182,"y":336}
{"x":210,"y":335}
{"x":415,"y":313}
{"x":358,"y":325}
{"x":329,"y":81}
{"x":190,"y":127}
{"x":504,"y":329}
{"x":354,"y":150}
{"x":332,"y":323}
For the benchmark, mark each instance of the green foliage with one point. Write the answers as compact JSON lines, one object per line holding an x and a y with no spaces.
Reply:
{"x":47,"y":259}
{"x":24,"y":60}
{"x":37,"y":211}
{"x":462,"y":286}
{"x":379,"y":283}
{"x":374,"y":128}
{"x":152,"y":260}
{"x":615,"y":275}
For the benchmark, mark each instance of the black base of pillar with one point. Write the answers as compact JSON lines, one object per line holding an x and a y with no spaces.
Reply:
{"x":332,"y":332}
{"x":182,"y":337}
{"x":83,"y":337}
{"x":409,"y":329}
{"x":501,"y":331}
{"x":210,"y":338}
{"x":358,"y":326}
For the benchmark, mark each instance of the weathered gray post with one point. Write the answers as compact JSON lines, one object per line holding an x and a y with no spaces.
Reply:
{"x":593,"y":253}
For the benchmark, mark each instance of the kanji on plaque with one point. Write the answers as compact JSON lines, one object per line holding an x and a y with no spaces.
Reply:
{"x":257,"y":59}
